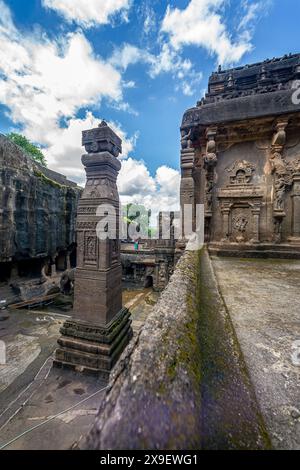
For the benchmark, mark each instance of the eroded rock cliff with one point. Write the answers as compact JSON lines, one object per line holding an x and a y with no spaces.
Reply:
{"x":37,"y":207}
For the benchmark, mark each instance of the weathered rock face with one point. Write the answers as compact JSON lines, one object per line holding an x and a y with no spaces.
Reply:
{"x":37,"y":208}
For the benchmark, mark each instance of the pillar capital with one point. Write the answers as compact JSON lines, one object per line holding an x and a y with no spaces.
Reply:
{"x":102,"y":139}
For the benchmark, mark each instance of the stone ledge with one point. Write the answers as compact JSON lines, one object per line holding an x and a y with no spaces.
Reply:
{"x":182,"y":384}
{"x":154,"y":396}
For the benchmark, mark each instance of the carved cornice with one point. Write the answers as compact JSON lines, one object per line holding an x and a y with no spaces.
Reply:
{"x":255,"y":79}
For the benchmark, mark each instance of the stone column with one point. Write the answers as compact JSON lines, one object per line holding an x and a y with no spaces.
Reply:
{"x":100,"y":329}
{"x":296,"y":210}
{"x":187,"y":186}
{"x":68,"y":260}
{"x":225,"y":214}
{"x":255,"y":225}
{"x":53,"y":270}
{"x":209,"y":164}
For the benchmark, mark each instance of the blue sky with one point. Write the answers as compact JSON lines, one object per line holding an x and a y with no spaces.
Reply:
{"x":65,"y":64}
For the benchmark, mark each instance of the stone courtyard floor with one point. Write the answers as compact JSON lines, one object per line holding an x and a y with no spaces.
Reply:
{"x":262,"y":298}
{"x":263,"y":301}
{"x":31,"y":391}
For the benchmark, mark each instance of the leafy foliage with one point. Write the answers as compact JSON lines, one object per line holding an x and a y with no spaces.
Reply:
{"x":139,"y":215}
{"x":29,"y":148}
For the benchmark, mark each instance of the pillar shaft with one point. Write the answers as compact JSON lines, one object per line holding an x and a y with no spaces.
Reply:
{"x":296,"y":208}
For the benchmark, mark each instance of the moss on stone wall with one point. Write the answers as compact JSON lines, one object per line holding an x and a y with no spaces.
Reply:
{"x":182,"y":384}
{"x":48,"y":181}
{"x":155,"y":397}
{"x":231,"y":417}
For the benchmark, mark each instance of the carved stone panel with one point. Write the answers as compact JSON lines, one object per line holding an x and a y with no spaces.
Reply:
{"x":241,"y":219}
{"x":241,"y":203}
{"x":90,"y":248}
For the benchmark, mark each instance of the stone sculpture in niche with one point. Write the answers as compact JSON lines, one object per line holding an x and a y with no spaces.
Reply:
{"x":240,"y":203}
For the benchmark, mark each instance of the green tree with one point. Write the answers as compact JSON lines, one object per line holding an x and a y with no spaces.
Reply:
{"x":29,"y":148}
{"x":139,"y":215}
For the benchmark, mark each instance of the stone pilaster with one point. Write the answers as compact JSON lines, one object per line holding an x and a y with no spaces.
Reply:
{"x":100,"y":329}
{"x":296,"y":210}
{"x":280,"y":175}
{"x":187,"y":186}
{"x":225,"y":210}
{"x":255,"y":224}
{"x":210,"y":163}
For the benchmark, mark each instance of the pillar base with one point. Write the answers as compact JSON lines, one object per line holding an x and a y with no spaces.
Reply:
{"x":294,"y":240}
{"x":93,"y":349}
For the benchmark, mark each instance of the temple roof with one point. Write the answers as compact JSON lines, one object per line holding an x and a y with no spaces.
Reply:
{"x":262,"y":77}
{"x":248,"y":92}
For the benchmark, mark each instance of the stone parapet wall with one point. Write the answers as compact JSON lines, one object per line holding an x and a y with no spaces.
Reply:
{"x":182,"y":382}
{"x":154,"y":398}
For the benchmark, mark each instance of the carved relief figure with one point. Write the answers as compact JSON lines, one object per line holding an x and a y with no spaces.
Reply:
{"x":277,"y":230}
{"x":280,"y":188}
{"x":282,"y":175}
{"x":208,"y":194}
{"x":186,"y":139}
{"x":282,"y":179}
{"x":90,"y":248}
{"x":294,"y":167}
{"x":278,"y":165}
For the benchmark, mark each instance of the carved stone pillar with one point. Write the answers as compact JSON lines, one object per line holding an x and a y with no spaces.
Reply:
{"x":210,"y":163}
{"x":281,"y":177}
{"x":255,"y":225}
{"x":225,"y":209}
{"x":187,"y":186}
{"x":296,"y":210}
{"x":100,"y":329}
{"x":68,"y":259}
{"x":53,"y":270}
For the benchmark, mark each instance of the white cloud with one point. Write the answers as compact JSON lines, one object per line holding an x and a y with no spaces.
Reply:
{"x":201,"y":24}
{"x":150,"y":20}
{"x":89,"y":13}
{"x":158,"y":193}
{"x":135,"y":183}
{"x":252,"y":12}
{"x":64,"y":150}
{"x":168,"y":180}
{"x":167,"y":61}
{"x":129,"y":55}
{"x":45,"y":81}
{"x":135,"y":179}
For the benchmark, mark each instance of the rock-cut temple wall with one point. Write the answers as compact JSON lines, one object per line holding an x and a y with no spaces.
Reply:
{"x":240,"y":158}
